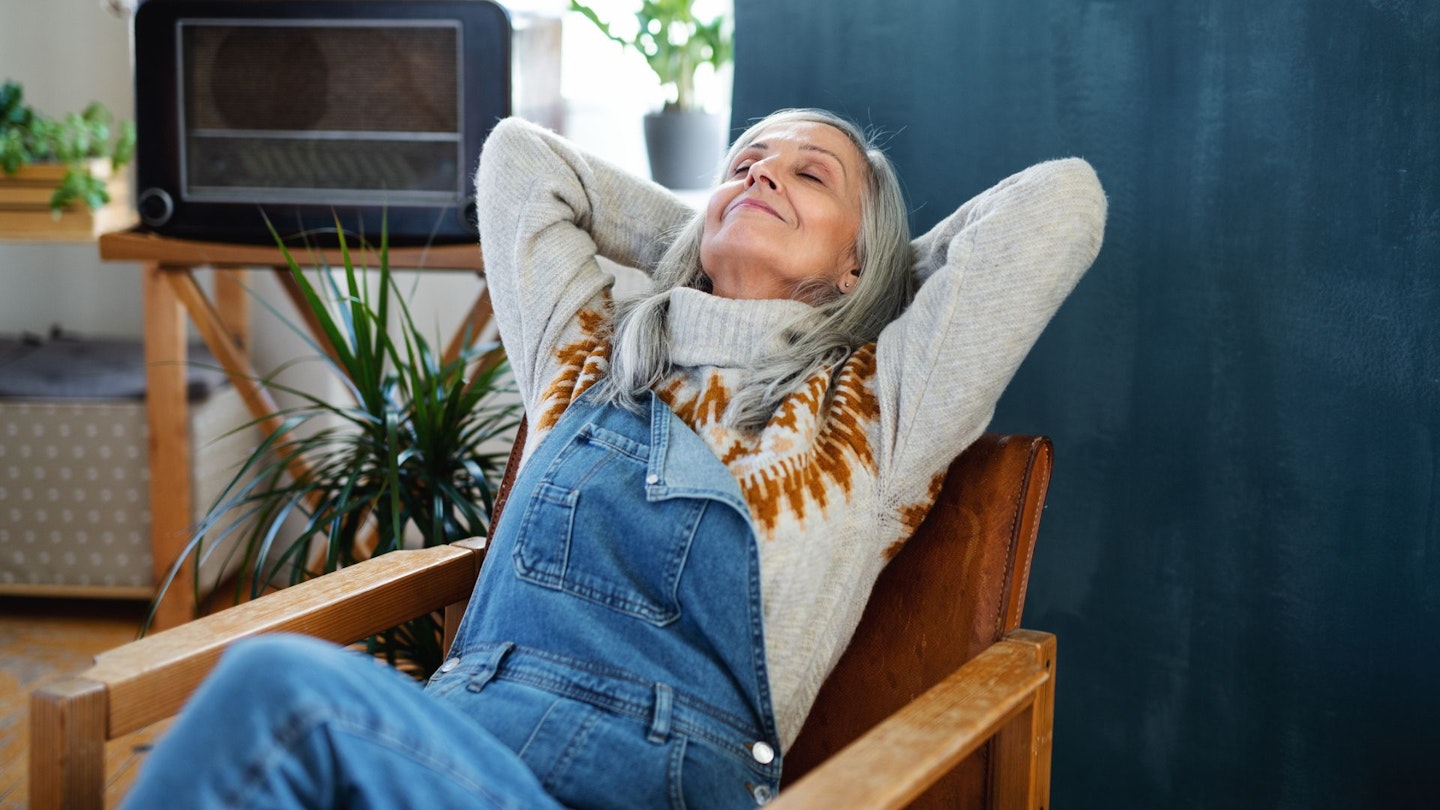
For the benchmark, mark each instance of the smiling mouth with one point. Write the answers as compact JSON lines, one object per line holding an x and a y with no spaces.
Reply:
{"x":758,"y":205}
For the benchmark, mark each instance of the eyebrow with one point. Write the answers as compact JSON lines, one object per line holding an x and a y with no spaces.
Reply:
{"x":808,"y":147}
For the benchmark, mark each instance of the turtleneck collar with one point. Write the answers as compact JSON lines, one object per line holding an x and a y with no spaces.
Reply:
{"x":707,"y":330}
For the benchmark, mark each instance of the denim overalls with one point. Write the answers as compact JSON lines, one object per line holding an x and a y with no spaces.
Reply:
{"x":615,"y":638}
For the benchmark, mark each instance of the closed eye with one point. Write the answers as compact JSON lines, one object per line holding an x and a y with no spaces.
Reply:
{"x":815,"y":172}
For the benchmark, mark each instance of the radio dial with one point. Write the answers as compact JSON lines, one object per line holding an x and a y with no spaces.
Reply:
{"x":156,"y":206}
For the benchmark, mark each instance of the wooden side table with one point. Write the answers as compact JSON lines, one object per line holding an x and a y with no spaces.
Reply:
{"x":170,"y":293}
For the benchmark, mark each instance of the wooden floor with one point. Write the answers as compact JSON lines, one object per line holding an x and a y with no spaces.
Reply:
{"x":42,"y":641}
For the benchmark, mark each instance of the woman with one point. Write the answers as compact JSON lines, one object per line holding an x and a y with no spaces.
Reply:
{"x":716,"y":472}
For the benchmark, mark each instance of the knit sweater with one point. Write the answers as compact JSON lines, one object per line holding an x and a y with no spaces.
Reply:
{"x":849,"y":464}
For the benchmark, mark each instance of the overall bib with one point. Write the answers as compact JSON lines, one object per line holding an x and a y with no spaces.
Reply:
{"x":615,"y":640}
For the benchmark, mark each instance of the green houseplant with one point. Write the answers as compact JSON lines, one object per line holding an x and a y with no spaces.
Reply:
{"x":684,"y":142}
{"x":417,"y":456}
{"x":74,"y":141}
{"x":674,"y":42}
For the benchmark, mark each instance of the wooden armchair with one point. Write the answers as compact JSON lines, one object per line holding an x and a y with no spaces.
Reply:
{"x":940,"y":700}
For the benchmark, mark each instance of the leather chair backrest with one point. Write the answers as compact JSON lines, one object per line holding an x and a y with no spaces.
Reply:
{"x":954,"y":589}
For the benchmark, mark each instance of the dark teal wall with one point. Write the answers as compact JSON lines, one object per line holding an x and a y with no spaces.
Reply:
{"x":1241,"y":554}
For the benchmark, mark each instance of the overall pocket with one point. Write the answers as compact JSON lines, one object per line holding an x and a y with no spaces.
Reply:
{"x":589,"y":531}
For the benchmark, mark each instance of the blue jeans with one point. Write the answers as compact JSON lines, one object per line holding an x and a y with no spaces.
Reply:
{"x":613,"y":657}
{"x":286,"y":721}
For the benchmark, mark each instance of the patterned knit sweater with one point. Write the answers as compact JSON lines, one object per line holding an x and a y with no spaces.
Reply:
{"x":848,"y":465}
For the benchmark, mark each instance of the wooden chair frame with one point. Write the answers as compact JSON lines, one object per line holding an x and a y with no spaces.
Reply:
{"x":1002,"y":698}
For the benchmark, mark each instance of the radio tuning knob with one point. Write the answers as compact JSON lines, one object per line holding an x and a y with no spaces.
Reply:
{"x":155,"y":206}
{"x":469,"y":216}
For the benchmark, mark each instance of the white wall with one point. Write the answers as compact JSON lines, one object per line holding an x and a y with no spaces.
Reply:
{"x":67,"y":53}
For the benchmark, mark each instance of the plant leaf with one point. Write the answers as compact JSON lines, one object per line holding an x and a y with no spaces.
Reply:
{"x":415,"y":448}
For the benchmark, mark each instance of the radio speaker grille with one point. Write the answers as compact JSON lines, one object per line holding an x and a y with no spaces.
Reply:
{"x":330,"y":77}
{"x":325,"y":112}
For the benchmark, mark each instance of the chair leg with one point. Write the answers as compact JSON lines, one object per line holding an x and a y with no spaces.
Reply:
{"x":453,"y":613}
{"x":67,"y":745}
{"x":477,"y":545}
{"x":1020,"y":770}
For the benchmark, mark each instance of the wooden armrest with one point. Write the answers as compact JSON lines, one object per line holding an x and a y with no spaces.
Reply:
{"x":1004,"y":691}
{"x":148,"y":680}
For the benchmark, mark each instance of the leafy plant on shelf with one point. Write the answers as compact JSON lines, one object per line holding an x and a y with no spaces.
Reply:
{"x":28,"y":137}
{"x":418,"y":454}
{"x":674,"y":42}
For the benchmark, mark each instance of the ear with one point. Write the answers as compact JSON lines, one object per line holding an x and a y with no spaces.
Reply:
{"x":848,"y":280}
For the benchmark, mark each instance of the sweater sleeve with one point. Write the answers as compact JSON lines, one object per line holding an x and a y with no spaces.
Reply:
{"x":993,"y":273}
{"x":546,"y":210}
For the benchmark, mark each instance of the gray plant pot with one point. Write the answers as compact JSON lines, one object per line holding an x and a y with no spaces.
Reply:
{"x":685,"y":148}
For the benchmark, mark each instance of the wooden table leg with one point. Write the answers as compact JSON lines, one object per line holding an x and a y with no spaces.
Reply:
{"x":302,"y":306}
{"x":168,"y":417}
{"x":210,"y":323}
{"x":233,"y":303}
{"x":469,"y":330}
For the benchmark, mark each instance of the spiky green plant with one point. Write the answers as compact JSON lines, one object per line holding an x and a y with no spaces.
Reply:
{"x":419,"y":452}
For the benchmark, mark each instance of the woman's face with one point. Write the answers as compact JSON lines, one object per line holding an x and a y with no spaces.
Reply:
{"x":787,"y":212}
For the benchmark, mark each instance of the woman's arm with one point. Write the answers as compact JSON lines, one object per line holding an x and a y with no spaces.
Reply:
{"x":994,"y":273}
{"x":546,"y":210}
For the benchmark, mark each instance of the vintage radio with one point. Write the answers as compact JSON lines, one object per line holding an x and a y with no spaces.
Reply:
{"x":305,"y":110}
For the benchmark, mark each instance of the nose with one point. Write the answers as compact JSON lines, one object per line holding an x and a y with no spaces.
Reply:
{"x":761,"y":172}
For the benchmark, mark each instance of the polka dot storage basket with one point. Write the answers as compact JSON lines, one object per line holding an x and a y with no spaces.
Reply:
{"x":74,"y":474}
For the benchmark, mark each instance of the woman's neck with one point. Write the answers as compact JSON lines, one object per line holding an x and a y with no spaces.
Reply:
{"x":708,"y":330}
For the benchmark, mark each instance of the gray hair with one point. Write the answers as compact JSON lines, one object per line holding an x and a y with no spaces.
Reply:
{"x":836,"y":326}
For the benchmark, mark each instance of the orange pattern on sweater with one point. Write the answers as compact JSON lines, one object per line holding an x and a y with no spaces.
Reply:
{"x":913,"y":515}
{"x":582,"y":362}
{"x":806,"y":454}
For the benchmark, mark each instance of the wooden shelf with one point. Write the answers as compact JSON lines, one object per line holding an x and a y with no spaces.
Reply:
{"x":25,"y":213}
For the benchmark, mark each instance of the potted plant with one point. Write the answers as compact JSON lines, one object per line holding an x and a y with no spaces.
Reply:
{"x":417,"y":456}
{"x":79,"y":151}
{"x":684,"y":141}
